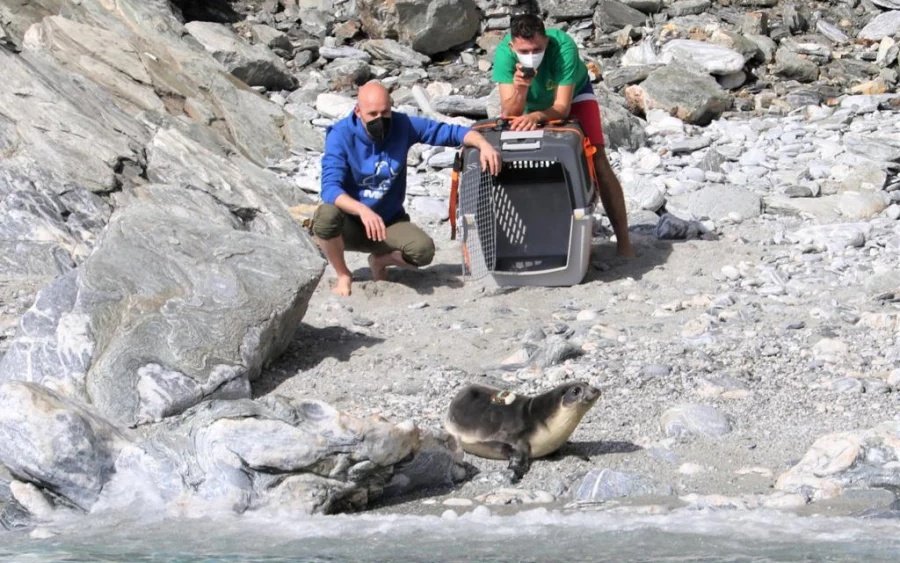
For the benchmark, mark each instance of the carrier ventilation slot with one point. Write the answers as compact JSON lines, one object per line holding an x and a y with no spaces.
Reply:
{"x":508,"y":219}
{"x":522,"y":164}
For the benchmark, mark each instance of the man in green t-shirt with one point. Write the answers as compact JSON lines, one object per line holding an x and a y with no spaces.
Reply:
{"x":542,"y":78}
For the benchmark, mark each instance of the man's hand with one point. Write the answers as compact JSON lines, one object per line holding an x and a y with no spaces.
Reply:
{"x":490,"y":158}
{"x":374,"y":224}
{"x":527,"y":122}
{"x":520,"y":79}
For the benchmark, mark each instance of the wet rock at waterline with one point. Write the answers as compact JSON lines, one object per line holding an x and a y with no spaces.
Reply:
{"x":230,"y":455}
{"x":838,"y":462}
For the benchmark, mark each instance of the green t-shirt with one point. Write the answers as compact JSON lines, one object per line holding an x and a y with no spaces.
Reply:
{"x":561,"y":65}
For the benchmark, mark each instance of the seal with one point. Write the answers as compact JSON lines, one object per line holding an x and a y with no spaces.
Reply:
{"x":497,"y":424}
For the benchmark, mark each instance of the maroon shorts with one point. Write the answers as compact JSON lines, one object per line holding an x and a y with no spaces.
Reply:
{"x":586,"y":110}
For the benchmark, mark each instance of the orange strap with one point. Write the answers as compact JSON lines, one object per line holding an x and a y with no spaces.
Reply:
{"x":589,"y":151}
{"x":454,"y":198}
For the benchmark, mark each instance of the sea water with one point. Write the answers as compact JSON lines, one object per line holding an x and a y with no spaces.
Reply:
{"x":477,"y":535}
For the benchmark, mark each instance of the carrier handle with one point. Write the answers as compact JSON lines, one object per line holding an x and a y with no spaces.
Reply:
{"x":521,"y":140}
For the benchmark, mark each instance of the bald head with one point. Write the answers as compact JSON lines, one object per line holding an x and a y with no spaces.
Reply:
{"x":373,"y":100}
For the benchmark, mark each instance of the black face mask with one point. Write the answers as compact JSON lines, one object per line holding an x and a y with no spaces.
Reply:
{"x":378,"y":128}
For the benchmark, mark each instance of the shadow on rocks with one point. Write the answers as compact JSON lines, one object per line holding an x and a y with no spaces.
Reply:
{"x":390,"y":498}
{"x":599,"y":447}
{"x":310,"y":347}
{"x":424,"y":280}
{"x":201,"y":10}
{"x":606,"y":266}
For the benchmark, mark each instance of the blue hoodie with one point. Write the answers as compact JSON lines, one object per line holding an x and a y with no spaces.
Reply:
{"x":375,"y":173}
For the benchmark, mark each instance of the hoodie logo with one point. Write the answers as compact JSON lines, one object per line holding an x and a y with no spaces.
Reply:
{"x":378,"y":184}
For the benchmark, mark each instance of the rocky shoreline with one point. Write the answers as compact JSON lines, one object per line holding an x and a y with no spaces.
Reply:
{"x":149,"y":308}
{"x":723,"y":387}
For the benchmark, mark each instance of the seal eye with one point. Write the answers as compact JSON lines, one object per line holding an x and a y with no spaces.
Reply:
{"x":573,"y":395}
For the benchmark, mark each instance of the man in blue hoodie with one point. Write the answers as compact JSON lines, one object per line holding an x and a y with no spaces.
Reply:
{"x":364,"y":185}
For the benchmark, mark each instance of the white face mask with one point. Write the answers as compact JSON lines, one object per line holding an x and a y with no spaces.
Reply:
{"x":530,"y":60}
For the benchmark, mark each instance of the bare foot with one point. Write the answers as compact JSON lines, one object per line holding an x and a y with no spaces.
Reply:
{"x":379,"y":264}
{"x":342,"y":286}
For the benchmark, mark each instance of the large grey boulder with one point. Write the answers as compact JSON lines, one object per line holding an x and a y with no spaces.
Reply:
{"x":393,"y":52}
{"x":107,"y":57}
{"x":300,"y":136}
{"x":293,"y":455}
{"x":245,"y":449}
{"x":883,"y":25}
{"x":792,"y":65}
{"x":611,"y":16}
{"x":564,"y":10}
{"x":253,"y":123}
{"x":301,"y":456}
{"x":49,"y":113}
{"x":621,"y":128}
{"x":51,"y":440}
{"x":43,"y":234}
{"x":428,"y":26}
{"x":646,"y":6}
{"x":64,"y":140}
{"x":153,"y":68}
{"x":174,"y":310}
{"x":689,"y":95}
{"x":256,"y":65}
{"x":711,"y":58}
{"x":82,"y":101}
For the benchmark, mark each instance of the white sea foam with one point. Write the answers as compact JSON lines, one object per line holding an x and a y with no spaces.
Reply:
{"x":531,"y":534}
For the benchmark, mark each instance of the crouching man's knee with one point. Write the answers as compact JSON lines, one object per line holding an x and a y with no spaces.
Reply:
{"x":328,"y":222}
{"x":419,"y":252}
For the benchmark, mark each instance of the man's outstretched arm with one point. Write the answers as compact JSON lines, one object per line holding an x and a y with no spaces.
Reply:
{"x":562,"y":104}
{"x":490,"y":158}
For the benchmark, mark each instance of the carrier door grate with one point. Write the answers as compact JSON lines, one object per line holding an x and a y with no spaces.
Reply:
{"x":523,"y":216}
{"x":477,"y":223}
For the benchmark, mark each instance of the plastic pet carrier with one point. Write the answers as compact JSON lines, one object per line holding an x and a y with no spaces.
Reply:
{"x":532,"y":224}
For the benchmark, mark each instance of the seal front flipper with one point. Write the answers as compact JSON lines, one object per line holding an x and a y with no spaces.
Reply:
{"x":519,"y":460}
{"x":518,"y":454}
